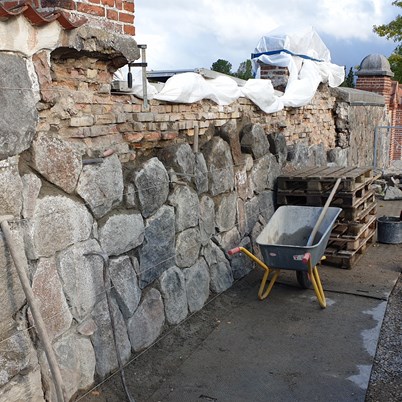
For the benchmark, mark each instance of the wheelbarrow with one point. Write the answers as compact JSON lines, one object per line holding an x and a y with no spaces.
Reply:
{"x":286,"y":243}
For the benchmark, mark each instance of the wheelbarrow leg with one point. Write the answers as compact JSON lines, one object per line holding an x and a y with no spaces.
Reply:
{"x":316,"y":281}
{"x":261,"y":293}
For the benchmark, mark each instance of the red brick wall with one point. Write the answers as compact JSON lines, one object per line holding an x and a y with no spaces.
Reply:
{"x":379,"y":85}
{"x":113,"y":15}
{"x":278,"y":75}
{"x":396,"y":134}
{"x":383,"y":86}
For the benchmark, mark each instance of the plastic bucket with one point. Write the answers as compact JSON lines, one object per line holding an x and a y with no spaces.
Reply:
{"x":389,"y":229}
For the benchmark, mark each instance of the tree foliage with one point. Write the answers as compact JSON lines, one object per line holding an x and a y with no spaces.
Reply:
{"x":245,"y":70}
{"x":222,"y":66}
{"x":395,"y":61}
{"x":393,"y":31}
{"x":349,"y":80}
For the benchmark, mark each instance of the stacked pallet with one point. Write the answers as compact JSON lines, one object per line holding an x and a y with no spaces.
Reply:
{"x":355,"y":228}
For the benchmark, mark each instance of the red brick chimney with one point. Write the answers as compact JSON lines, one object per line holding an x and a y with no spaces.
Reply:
{"x":112,"y":15}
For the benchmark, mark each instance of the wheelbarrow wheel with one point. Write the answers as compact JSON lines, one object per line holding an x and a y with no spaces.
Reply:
{"x":303,"y":279}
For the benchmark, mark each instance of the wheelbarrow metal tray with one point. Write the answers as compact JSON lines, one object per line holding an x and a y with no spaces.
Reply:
{"x":283,"y":240}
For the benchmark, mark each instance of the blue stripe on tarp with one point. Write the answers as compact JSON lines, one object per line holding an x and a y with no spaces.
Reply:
{"x":303,"y":56}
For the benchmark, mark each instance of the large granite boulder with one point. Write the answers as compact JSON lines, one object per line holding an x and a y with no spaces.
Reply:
{"x":121,"y":233}
{"x":220,"y":166}
{"x":102,"y":338}
{"x":200,"y":174}
{"x":207,"y":219}
{"x":48,"y":291}
{"x":219,"y":268}
{"x":56,"y":160}
{"x":125,"y":285}
{"x":186,"y":204}
{"x":197,"y":285}
{"x":11,"y":187}
{"x":225,"y":211}
{"x":18,"y":113}
{"x":21,"y":387}
{"x":82,"y":276}
{"x":12,"y":296}
{"x":264,"y":173}
{"x":101,"y":186}
{"x":146,"y":324}
{"x":152,"y":184}
{"x":172,"y":286}
{"x":16,"y":356}
{"x":158,"y":251}
{"x":58,"y":222}
{"x":180,"y":158}
{"x":31,"y":188}
{"x":76,"y":358}
{"x":254,"y":140}
{"x":188,"y":244}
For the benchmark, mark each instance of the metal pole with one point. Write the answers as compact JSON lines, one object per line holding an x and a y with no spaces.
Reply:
{"x":22,"y":268}
{"x":375,"y":148}
{"x":195,"y":140}
{"x":144,"y":76}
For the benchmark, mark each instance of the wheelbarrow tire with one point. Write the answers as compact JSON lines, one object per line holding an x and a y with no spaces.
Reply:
{"x":303,"y":279}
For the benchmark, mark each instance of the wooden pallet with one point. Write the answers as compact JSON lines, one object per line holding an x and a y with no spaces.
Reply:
{"x":349,"y":242}
{"x":356,"y":225}
{"x":321,"y":179}
{"x":359,"y":210}
{"x":341,"y":199}
{"x":354,"y":228}
{"x":347,"y":258}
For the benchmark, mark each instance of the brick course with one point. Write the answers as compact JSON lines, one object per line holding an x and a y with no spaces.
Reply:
{"x":88,"y":113}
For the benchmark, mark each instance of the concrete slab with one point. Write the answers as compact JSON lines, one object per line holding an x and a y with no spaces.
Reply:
{"x":285,"y":348}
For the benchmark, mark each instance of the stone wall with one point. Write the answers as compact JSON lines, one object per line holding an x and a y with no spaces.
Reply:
{"x":358,"y":113}
{"x":84,"y":171}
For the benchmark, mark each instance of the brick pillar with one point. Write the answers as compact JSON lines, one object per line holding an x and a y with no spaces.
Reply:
{"x":279,"y":76}
{"x":379,"y":84}
{"x":375,"y":75}
{"x":113,"y":15}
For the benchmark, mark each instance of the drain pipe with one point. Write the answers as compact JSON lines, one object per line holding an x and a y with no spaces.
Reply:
{"x":22,"y":268}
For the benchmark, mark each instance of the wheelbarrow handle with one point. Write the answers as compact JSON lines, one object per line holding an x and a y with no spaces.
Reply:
{"x":234,"y":251}
{"x":306,"y":258}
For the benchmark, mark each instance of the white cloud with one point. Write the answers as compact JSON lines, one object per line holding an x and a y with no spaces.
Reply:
{"x":184,"y":34}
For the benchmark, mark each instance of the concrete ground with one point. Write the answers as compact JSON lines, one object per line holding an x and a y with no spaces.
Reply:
{"x":285,"y":348}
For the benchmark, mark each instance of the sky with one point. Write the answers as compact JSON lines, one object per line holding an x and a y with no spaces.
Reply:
{"x":187,"y":34}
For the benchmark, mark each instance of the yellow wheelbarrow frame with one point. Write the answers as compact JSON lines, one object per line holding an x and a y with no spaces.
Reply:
{"x":265,"y":289}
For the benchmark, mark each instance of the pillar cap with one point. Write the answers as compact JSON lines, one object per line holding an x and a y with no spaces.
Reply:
{"x":375,"y":65}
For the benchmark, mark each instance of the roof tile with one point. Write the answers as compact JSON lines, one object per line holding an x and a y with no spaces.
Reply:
{"x":39,"y":18}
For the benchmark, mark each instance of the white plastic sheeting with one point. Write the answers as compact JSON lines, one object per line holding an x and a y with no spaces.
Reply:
{"x":192,"y":87}
{"x":301,"y":50}
{"x":307,"y":58}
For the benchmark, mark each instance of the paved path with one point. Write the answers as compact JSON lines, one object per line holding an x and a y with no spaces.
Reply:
{"x":285,"y":348}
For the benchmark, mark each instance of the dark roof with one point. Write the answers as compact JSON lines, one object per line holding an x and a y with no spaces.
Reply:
{"x":37,"y":17}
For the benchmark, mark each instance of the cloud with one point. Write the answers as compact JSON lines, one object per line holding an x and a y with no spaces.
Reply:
{"x":184,"y":34}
